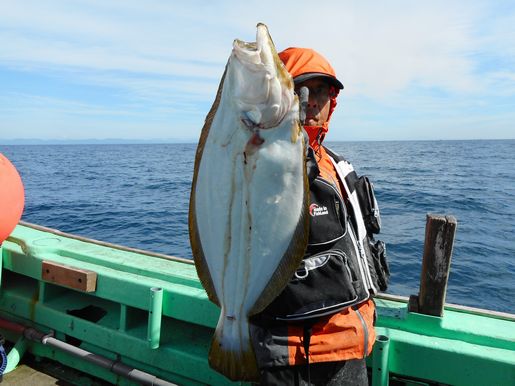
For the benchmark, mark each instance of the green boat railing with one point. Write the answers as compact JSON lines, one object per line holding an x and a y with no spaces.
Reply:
{"x":149,"y":312}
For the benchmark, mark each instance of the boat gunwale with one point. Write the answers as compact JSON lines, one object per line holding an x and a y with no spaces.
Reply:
{"x":454,"y":307}
{"x":384,"y":296}
{"x":104,"y":243}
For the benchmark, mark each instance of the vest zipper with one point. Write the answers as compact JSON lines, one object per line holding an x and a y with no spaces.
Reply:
{"x":365,"y":331}
{"x":337,"y":205}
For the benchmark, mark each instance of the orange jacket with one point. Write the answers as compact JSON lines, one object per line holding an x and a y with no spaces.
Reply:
{"x":339,"y":337}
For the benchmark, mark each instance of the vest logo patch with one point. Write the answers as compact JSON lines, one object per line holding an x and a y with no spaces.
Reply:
{"x":315,"y":210}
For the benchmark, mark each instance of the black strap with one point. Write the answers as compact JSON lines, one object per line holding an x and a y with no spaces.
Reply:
{"x":307,"y":339}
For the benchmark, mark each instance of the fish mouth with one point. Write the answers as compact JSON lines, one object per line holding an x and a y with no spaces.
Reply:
{"x":262,"y":52}
{"x":263,"y":86}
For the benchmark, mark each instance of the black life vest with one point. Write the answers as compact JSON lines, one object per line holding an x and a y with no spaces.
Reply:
{"x":343,"y":265}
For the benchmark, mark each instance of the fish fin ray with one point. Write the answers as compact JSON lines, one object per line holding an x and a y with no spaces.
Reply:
{"x":200,"y":262}
{"x":196,"y":246}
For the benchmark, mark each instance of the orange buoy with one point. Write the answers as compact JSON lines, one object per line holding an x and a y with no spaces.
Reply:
{"x":12,"y":197}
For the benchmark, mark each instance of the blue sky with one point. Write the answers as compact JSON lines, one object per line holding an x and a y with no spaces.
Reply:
{"x":149,"y":70}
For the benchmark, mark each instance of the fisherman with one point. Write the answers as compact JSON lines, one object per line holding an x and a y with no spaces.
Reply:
{"x":320,"y":329}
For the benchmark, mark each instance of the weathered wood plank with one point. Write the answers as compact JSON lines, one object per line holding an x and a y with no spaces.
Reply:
{"x":79,"y":279}
{"x":24,"y":375}
{"x":436,"y":263}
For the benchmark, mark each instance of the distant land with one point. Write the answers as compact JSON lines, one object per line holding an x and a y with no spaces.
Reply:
{"x":120,"y":141}
{"x":92,"y":141}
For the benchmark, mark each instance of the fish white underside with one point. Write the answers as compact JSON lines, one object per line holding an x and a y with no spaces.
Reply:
{"x":249,"y":208}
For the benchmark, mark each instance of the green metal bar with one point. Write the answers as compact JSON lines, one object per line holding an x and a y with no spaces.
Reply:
{"x":42,"y":291}
{"x":154,"y":317}
{"x":16,"y":353}
{"x":123,"y":318}
{"x":380,"y":374}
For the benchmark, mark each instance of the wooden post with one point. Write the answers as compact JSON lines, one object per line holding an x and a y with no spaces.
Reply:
{"x":436,"y":265}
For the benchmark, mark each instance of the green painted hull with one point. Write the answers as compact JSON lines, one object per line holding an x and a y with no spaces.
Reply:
{"x":465,"y":347}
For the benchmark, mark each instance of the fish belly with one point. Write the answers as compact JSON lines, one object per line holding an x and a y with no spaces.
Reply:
{"x":250,"y":208}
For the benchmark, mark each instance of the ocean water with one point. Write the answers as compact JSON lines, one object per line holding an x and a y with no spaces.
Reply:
{"x":137,"y":195}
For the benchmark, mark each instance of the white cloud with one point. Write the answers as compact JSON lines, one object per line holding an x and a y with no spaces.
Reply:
{"x":377,"y":48}
{"x":172,"y":54}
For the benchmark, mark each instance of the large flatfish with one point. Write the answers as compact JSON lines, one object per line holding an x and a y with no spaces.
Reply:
{"x":248,"y":207}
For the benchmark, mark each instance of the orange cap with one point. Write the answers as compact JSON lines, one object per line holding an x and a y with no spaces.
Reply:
{"x":12,"y":197}
{"x":306,"y":63}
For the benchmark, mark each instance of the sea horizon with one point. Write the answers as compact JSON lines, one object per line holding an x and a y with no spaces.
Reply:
{"x":121,"y":141}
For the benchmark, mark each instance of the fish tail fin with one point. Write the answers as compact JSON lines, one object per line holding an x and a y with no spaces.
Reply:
{"x":231,"y":350}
